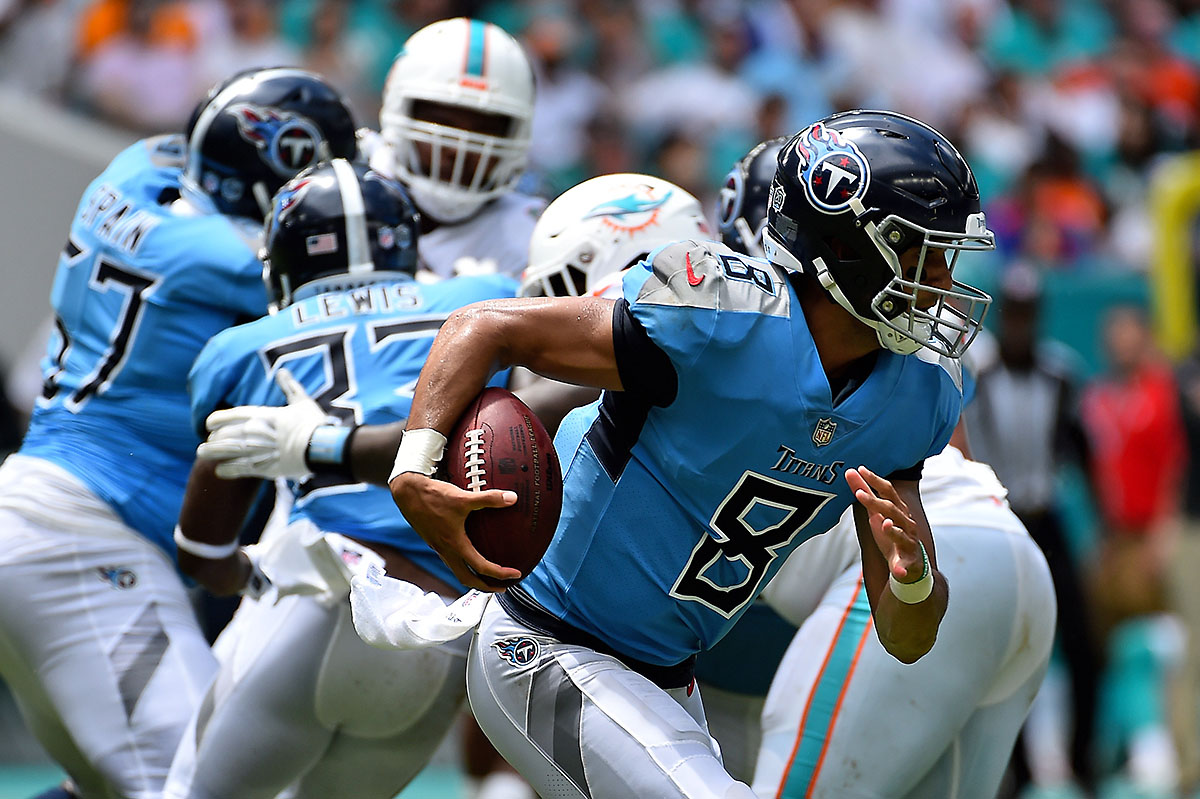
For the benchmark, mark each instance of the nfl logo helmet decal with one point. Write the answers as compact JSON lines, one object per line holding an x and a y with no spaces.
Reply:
{"x":833,"y":170}
{"x":823,"y":433}
{"x":287,"y":141}
{"x":519,"y":650}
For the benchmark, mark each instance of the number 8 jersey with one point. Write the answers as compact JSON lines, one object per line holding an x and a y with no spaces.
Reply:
{"x":142,"y":283}
{"x":683,"y":497}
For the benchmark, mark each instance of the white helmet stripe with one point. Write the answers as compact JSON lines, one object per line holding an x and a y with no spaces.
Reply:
{"x":218,"y":104}
{"x":358,"y":248}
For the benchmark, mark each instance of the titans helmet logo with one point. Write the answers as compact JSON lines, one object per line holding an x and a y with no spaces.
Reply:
{"x":287,"y":141}
{"x":519,"y":651}
{"x":633,"y":212}
{"x":289,"y":195}
{"x":832,"y":169}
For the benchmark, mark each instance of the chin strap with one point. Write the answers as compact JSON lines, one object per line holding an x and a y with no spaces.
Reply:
{"x":889,"y":339}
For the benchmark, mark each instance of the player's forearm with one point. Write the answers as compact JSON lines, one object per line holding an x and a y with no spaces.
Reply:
{"x":906,"y":631}
{"x":212,"y":514}
{"x":566,"y":339}
{"x":373,"y":450}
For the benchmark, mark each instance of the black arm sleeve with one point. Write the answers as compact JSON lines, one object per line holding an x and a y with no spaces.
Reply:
{"x":645,"y":370}
{"x":911,"y":473}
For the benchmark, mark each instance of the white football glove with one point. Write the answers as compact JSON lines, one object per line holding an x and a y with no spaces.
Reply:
{"x":264,"y":441}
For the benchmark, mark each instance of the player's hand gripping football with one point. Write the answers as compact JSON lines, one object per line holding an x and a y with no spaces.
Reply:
{"x":438,"y":510}
{"x":893,"y":528}
{"x":264,"y":441}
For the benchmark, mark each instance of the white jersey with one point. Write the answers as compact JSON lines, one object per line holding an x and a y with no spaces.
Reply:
{"x":495,"y":240}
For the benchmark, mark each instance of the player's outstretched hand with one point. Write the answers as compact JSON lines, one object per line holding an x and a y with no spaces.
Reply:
{"x":264,"y":441}
{"x":891,"y":525}
{"x":438,"y":510}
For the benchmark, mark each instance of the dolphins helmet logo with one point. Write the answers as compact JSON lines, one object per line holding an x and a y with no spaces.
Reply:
{"x":633,"y":212}
{"x":287,"y":141}
{"x":519,"y":651}
{"x":832,"y":169}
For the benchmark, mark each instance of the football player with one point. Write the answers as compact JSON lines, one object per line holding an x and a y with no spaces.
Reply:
{"x":97,"y":637}
{"x":454,"y":129}
{"x":743,"y":412}
{"x":964,"y":702}
{"x":300,"y":700}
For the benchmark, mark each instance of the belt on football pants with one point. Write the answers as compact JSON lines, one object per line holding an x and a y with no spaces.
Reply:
{"x":524,"y":609}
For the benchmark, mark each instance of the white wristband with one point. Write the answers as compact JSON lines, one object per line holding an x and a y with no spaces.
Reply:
{"x":202,"y":550}
{"x":419,"y":451}
{"x":913,"y":593}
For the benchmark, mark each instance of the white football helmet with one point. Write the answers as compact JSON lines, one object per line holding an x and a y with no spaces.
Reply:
{"x":466,"y":64}
{"x":604,"y":225}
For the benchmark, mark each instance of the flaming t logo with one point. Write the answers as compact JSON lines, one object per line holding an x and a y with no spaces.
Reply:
{"x":833,"y":170}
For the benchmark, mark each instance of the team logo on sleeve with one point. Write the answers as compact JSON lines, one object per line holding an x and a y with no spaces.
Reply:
{"x":832,"y":169}
{"x":117,"y":576}
{"x":635,"y":211}
{"x":823,"y":433}
{"x":289,"y":142}
{"x":520,"y":650}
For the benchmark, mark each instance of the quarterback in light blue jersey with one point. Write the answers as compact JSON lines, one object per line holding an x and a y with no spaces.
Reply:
{"x":352,"y":329}
{"x":100,"y":642}
{"x":747,"y":404}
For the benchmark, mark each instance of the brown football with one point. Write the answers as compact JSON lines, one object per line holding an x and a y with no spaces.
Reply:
{"x":499,"y":443}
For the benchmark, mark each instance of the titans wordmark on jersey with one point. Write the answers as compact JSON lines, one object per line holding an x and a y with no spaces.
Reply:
{"x":692,"y":505}
{"x":358,"y":353}
{"x":141,"y":285}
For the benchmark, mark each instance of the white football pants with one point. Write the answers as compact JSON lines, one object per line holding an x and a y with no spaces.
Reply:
{"x":98,"y":640}
{"x":845,"y":719}
{"x":577,"y":723}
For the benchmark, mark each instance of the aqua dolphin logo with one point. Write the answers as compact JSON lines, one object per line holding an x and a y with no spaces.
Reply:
{"x":832,"y":169}
{"x":633,"y":212}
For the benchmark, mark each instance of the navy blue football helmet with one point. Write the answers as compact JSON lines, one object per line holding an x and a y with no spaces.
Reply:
{"x":254,"y":131}
{"x":853,"y":192}
{"x":337,"y":225}
{"x":742,"y":204}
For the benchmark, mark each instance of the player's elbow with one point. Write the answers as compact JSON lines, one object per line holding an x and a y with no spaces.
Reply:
{"x":908,"y":648}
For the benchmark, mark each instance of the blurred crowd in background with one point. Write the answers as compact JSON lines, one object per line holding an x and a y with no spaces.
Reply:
{"x":1065,"y":109}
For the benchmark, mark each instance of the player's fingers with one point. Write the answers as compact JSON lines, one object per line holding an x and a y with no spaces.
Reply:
{"x":481,"y":567}
{"x":493,"y":498}
{"x":229,"y":416}
{"x":291,"y":387}
{"x":882,"y":486}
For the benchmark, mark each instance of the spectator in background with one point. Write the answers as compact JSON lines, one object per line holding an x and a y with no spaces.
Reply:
{"x":36,"y":42}
{"x":1135,"y":436}
{"x":138,"y":63}
{"x":333,"y":51}
{"x":1135,"y":433}
{"x":1025,"y":424}
{"x":248,"y":37}
{"x":1184,"y":589}
{"x":568,"y":98}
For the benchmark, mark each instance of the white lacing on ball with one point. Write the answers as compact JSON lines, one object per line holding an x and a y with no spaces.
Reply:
{"x":476,"y":475}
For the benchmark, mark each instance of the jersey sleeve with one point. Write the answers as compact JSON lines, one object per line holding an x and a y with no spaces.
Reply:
{"x":214,"y":378}
{"x":668,"y":299}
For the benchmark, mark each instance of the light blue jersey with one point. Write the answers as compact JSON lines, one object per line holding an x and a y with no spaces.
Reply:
{"x":674,"y":517}
{"x":141,"y":285}
{"x":358,"y":353}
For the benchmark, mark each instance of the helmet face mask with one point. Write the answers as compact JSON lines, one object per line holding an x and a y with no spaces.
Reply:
{"x":457,"y":111}
{"x":852,"y":196}
{"x":337,"y":226}
{"x":256,"y":130}
{"x":604,"y":225}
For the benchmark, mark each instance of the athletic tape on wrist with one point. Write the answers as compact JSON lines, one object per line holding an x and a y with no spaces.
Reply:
{"x":419,"y":451}
{"x":202,"y":550}
{"x":327,"y":445}
{"x":919,"y":591}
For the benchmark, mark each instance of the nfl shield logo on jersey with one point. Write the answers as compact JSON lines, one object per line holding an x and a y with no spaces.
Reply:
{"x":519,"y":651}
{"x":823,"y":434}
